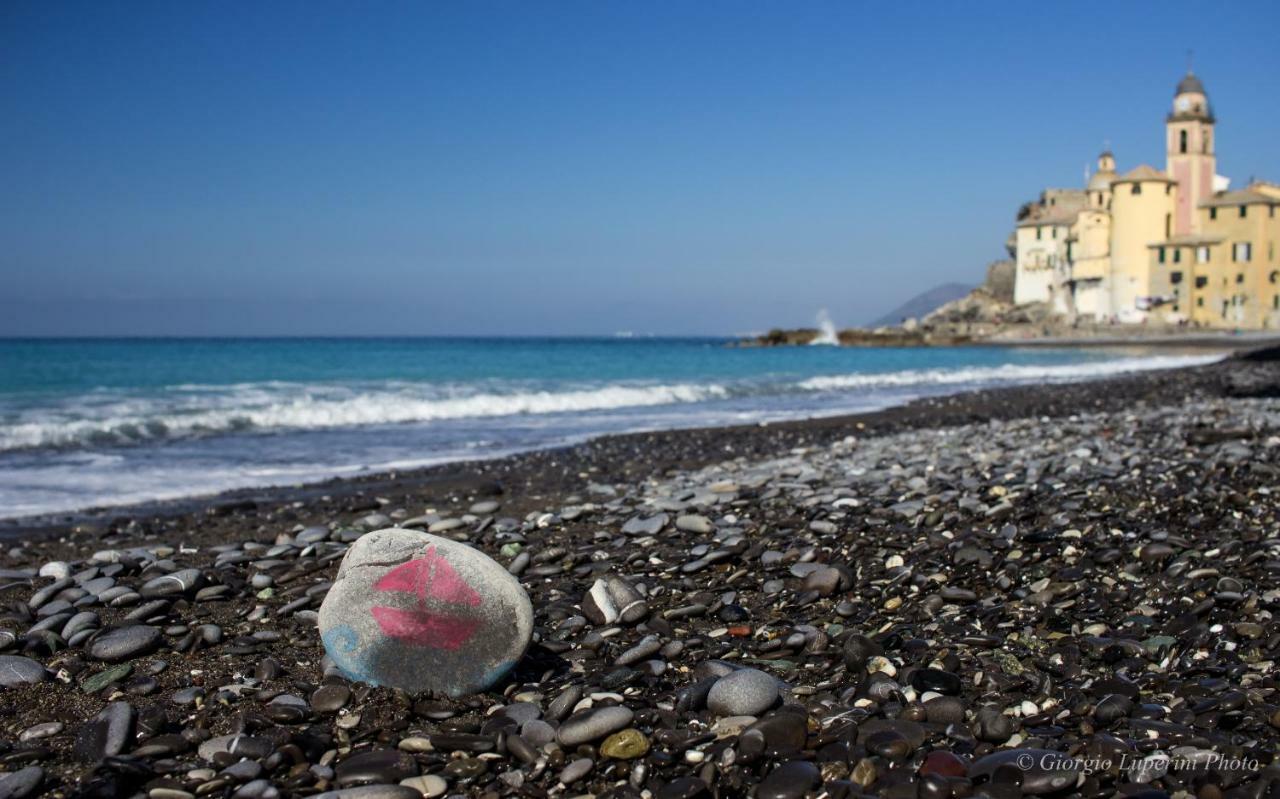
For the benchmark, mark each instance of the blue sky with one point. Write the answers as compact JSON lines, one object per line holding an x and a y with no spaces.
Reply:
{"x":562,"y":167}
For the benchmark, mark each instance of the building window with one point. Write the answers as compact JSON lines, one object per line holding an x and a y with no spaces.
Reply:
{"x":1201,"y":281}
{"x":1168,"y":225}
{"x":1199,"y":302}
{"x":1182,"y":141}
{"x":1274,"y":275}
{"x":1037,"y":234}
{"x":1213,"y":213}
{"x":1175,"y":307}
{"x":1275,"y":301}
{"x":1161,"y":254}
{"x":1202,"y":255}
{"x":1175,"y":278}
{"x":1244,"y":210}
{"x":1137,"y":188}
{"x":1239,"y":277}
{"x":1177,"y":255}
{"x":1242,"y":252}
{"x":1054,"y":232}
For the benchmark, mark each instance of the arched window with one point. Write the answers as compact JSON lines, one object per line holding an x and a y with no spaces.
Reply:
{"x":1182,"y":141}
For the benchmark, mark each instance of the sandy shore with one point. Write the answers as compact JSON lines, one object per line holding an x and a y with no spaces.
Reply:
{"x":1067,"y":589}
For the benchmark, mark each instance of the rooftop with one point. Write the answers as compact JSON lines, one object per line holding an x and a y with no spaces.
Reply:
{"x":1189,"y":84}
{"x":1142,"y":174}
{"x":1246,"y":196}
{"x":1187,"y":240}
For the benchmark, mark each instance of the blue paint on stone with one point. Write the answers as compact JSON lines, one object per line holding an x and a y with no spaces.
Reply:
{"x":343,"y":645}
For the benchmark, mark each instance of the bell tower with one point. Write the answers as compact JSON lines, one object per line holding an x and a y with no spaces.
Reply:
{"x":1189,"y":144}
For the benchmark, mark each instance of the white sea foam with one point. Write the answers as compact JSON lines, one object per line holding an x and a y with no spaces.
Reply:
{"x":265,"y":408}
{"x":1005,"y":373}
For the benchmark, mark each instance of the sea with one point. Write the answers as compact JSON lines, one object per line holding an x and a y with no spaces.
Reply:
{"x":91,"y":423}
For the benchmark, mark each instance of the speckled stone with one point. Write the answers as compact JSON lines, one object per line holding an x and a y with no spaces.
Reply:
{"x":745,"y":692}
{"x":422,"y":613}
{"x":625,"y":745}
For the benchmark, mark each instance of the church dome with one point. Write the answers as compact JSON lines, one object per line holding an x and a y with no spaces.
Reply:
{"x":1101,"y":181}
{"x":1189,"y":85}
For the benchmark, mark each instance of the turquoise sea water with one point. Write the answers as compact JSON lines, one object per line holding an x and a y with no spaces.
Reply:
{"x":98,"y":422}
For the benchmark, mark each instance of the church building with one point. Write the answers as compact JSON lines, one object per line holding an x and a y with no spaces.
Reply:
{"x":1172,"y":246}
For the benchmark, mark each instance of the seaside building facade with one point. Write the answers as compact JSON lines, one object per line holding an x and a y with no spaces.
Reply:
{"x":1170,"y":245}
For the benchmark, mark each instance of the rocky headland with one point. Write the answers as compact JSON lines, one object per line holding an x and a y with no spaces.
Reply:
{"x":987,"y":315}
{"x":1066,"y":590}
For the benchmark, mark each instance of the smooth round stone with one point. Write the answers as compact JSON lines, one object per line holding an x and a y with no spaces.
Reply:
{"x":421,"y":613}
{"x":683,"y":788}
{"x":625,"y":745}
{"x":179,"y":582}
{"x":745,"y":692}
{"x":943,"y":764}
{"x":694,"y":523}
{"x":429,"y":785}
{"x":235,"y":745}
{"x":122,"y":643}
{"x":377,"y":766}
{"x":576,"y":770}
{"x":16,"y":670}
{"x":592,"y":724}
{"x":944,"y":710}
{"x":944,"y":682}
{"x":858,"y":650}
{"x":330,"y":698}
{"x":21,"y":783}
{"x":791,"y":780}
{"x":372,"y":792}
{"x":484,"y":508}
{"x":1043,"y":771}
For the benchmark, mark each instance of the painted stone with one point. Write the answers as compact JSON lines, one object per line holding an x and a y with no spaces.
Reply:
{"x":418,"y":612}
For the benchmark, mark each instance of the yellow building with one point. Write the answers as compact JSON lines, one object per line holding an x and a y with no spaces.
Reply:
{"x":1228,"y":275}
{"x":1172,"y":245}
{"x":1142,"y":203}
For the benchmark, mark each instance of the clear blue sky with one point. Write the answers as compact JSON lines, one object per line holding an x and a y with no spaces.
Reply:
{"x":561,"y":167}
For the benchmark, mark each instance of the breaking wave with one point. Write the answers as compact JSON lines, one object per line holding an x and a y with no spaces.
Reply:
{"x":1006,"y":373}
{"x":272,"y":408}
{"x":111,"y":419}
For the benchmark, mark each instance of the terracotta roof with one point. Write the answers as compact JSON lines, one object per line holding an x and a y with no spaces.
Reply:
{"x":1142,"y":174}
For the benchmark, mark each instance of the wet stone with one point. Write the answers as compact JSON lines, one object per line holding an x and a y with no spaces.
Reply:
{"x":791,"y":780}
{"x":377,"y":766}
{"x":1042,"y":771}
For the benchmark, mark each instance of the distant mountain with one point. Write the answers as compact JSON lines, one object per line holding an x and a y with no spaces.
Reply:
{"x":921,"y":304}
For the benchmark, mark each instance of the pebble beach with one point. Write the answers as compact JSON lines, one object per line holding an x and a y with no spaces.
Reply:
{"x":1061,"y":590}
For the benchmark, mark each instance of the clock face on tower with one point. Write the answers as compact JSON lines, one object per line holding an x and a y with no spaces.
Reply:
{"x":1183,"y":104}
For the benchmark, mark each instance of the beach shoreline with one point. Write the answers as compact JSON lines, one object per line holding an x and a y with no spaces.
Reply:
{"x":679,"y":446}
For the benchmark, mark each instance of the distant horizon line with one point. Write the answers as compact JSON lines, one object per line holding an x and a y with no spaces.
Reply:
{"x":371,"y":336}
